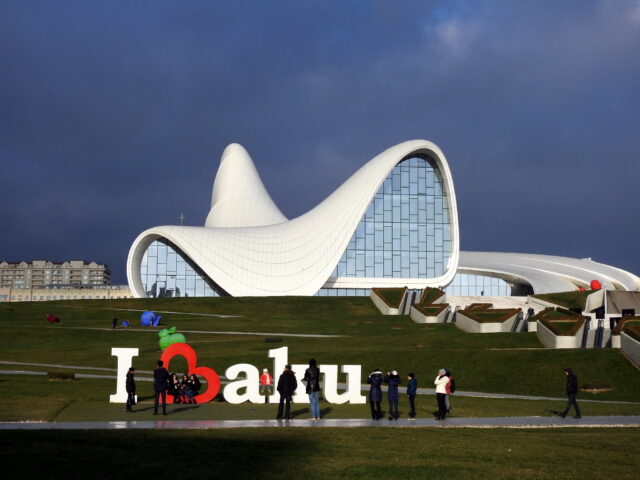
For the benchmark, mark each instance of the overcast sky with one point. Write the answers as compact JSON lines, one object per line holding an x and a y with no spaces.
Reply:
{"x":113,"y":115}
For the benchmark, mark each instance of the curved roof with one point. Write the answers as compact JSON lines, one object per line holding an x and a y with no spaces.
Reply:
{"x":546,"y":273}
{"x":258,"y":252}
{"x":239,"y":198}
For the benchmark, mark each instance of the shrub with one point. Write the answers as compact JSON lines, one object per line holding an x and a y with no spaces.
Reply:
{"x":430,"y":295}
{"x":391,"y":296}
{"x":431,"y":310}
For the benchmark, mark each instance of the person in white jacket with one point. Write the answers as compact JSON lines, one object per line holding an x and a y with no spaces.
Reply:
{"x":441,"y":392}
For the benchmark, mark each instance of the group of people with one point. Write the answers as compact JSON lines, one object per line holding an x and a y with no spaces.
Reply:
{"x":444,"y":382}
{"x":287,"y":385}
{"x":182,"y":391}
{"x":186,"y":390}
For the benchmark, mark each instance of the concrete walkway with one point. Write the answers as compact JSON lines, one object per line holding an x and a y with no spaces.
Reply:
{"x":206,"y":332}
{"x":488,"y":422}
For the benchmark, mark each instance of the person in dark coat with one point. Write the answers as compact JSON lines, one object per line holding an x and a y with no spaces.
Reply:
{"x":375,"y":393}
{"x":160,"y":385}
{"x":287,"y":384}
{"x":194,"y":388}
{"x":131,"y":389}
{"x":174,"y":387}
{"x":572,"y":391}
{"x":393,"y":380}
{"x":412,"y":389}
{"x":312,"y":381}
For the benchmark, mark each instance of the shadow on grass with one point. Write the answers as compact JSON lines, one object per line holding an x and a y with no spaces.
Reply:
{"x":183,"y":409}
{"x":300,"y":411}
{"x":209,"y":453}
{"x":325,"y":411}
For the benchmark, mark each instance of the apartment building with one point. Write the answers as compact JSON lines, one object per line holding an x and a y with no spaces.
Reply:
{"x":43,"y":273}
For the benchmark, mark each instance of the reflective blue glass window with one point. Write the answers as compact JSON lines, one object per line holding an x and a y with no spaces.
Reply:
{"x":465,"y":284}
{"x":166,"y":272}
{"x":405,"y":232}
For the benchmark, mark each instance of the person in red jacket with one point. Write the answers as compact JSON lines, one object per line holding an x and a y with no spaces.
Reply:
{"x":266,"y":384}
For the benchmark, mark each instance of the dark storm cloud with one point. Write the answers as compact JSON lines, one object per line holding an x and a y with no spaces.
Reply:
{"x":113,"y":115}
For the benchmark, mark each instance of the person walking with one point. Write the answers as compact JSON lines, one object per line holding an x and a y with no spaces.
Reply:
{"x":572,"y":391}
{"x":441,"y":392}
{"x":160,"y":385}
{"x":312,"y":381}
{"x":412,"y":389}
{"x":375,"y":393}
{"x":131,"y":389}
{"x":393,"y":380}
{"x":287,"y":384}
{"x":266,"y":384}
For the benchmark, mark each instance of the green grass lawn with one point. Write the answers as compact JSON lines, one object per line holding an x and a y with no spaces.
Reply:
{"x":576,"y":299}
{"x":391,"y":296}
{"x":358,"y":453}
{"x":88,"y":400}
{"x":502,"y":363}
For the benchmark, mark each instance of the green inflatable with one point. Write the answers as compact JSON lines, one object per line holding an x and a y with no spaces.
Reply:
{"x":169,"y":337}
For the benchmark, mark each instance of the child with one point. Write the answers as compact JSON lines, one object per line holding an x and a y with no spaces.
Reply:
{"x":412,"y":388}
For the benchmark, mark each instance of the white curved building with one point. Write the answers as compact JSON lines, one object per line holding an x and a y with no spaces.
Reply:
{"x":392,"y":223}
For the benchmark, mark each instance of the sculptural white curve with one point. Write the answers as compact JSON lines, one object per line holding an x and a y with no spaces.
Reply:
{"x":249,"y":248}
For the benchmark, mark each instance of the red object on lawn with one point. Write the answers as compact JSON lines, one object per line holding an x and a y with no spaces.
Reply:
{"x":52,"y":319}
{"x":595,"y":285}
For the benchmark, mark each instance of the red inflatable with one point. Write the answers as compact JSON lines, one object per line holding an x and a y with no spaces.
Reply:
{"x":52,"y":319}
{"x":595,"y":285}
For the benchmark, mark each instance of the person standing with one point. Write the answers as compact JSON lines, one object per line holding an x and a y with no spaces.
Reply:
{"x":451,"y":387}
{"x":572,"y":391}
{"x":393,"y":380}
{"x":131,"y":389}
{"x":287,"y":384}
{"x":160,"y":385}
{"x":412,"y":389}
{"x":375,"y":393}
{"x":312,"y":381}
{"x":441,"y":392}
{"x":266,"y":384}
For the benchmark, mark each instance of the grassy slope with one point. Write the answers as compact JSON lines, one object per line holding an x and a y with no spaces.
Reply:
{"x":324,"y":453}
{"x":490,"y":363}
{"x":576,"y":299}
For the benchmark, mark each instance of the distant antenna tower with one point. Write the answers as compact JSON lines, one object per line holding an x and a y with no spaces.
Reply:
{"x":181,"y":217}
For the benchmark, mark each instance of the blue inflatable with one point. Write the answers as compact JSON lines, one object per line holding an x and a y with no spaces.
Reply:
{"x":125,"y":323}
{"x":149,"y":319}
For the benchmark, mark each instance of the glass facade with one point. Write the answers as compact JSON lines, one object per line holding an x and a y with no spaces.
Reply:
{"x":477,"y":285}
{"x":343,"y":292}
{"x":166,"y":272}
{"x":406,"y":230}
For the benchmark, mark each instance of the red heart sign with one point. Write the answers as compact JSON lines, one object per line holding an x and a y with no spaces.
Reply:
{"x":213,"y":380}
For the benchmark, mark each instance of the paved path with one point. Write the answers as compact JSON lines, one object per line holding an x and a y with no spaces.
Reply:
{"x":210,"y":332}
{"x":488,"y":422}
{"x":158,"y":311}
{"x":421,"y":391}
